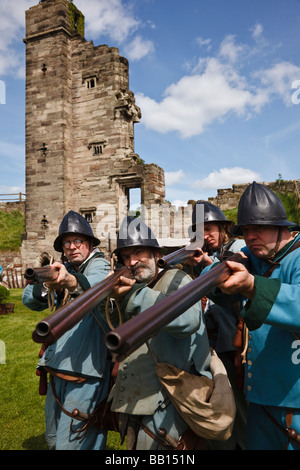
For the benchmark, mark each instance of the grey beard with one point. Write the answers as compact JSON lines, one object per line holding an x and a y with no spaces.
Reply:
{"x":146,"y":275}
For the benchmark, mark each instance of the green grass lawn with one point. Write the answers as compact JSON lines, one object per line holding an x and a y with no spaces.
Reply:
{"x":12,"y":225}
{"x":21,"y":406}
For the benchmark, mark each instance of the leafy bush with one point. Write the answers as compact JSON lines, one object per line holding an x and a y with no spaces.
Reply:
{"x":231,"y":214}
{"x":291,"y":206}
{"x":4,"y":294}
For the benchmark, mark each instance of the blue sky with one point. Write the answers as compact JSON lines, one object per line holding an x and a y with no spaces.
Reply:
{"x":218,"y":83}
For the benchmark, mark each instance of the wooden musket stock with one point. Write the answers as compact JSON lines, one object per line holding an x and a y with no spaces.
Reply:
{"x":64,"y":318}
{"x":128,"y":337}
{"x":180,"y":255}
{"x":42,"y":274}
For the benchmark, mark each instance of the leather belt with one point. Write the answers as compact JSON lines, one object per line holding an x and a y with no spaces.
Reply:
{"x":292,"y":435}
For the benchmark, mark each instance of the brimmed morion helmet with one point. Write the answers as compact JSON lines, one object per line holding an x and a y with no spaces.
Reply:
{"x":211,"y":213}
{"x":134,"y":232}
{"x":74,"y":223}
{"x":258,"y":205}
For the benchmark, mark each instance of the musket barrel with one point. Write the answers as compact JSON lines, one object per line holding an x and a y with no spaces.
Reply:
{"x":173,"y":258}
{"x":56,"y":324}
{"x":41,"y":274}
{"x":128,"y":337}
{"x":180,"y":255}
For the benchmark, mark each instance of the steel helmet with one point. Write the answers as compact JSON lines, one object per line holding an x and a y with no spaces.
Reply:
{"x":74,"y":223}
{"x":134,"y":232}
{"x":211,"y":213}
{"x":258,"y":205}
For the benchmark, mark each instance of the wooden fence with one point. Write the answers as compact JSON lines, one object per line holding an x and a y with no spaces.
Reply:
{"x":13,"y":278}
{"x":14,"y":197}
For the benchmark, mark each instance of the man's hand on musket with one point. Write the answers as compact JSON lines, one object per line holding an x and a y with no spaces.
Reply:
{"x":240,"y":280}
{"x":64,"y":280}
{"x":200,"y":256}
{"x":123,"y":286}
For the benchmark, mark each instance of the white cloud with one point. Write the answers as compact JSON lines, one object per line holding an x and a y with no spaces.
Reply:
{"x":109,"y":17}
{"x":226,"y":177}
{"x":217,"y":89}
{"x":115,"y":19}
{"x":278,"y":80}
{"x":257,"y":31}
{"x":12,"y":24}
{"x":138,"y":48}
{"x":195,"y":101}
{"x":11,"y":190}
{"x":106,"y":17}
{"x":204,"y":42}
{"x":230,"y":50}
{"x":179,"y":195}
{"x":179,"y":203}
{"x":173,"y":177}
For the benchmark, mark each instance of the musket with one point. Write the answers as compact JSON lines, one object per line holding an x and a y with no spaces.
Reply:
{"x":180,"y":255}
{"x":129,"y":336}
{"x":42,"y":274}
{"x":52,"y":327}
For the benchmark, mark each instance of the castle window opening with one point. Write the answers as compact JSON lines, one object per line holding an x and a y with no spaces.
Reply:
{"x":88,"y":213}
{"x":91,"y":83}
{"x":97,"y":149}
{"x":134,"y":201}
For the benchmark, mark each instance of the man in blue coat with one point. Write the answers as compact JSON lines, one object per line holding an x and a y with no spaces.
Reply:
{"x":78,"y":361}
{"x":271,"y":312}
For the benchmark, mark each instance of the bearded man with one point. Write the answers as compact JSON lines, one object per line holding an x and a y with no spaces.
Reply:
{"x":147,"y":416}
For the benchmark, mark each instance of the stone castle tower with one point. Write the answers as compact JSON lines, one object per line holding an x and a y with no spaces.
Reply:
{"x":80,"y":118}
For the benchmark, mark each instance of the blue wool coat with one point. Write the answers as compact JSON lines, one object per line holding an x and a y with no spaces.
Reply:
{"x":81,"y":351}
{"x":272,"y":370}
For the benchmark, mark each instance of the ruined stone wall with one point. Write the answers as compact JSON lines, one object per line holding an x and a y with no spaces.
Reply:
{"x":229,"y":198}
{"x":80,"y":117}
{"x":48,"y":116}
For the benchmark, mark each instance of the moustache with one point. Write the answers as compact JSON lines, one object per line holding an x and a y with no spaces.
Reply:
{"x":137,"y":266}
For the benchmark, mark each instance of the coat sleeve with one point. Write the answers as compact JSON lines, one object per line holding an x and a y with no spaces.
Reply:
{"x":277,"y":299}
{"x":32,"y":297}
{"x":97,"y":269}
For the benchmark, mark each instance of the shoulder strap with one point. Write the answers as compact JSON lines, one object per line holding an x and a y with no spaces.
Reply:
{"x":274,"y":265}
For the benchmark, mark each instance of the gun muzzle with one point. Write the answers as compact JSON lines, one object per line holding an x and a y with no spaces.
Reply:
{"x":41,"y":274}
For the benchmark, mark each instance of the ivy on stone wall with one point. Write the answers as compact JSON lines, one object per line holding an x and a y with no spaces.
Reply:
{"x":76,"y":19}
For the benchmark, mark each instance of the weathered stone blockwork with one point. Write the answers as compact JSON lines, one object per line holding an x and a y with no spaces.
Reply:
{"x":229,"y":198}
{"x":80,"y":117}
